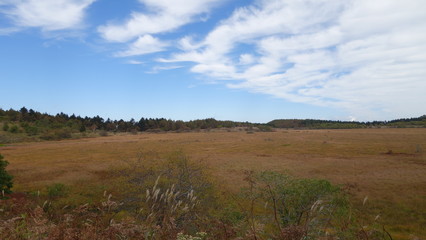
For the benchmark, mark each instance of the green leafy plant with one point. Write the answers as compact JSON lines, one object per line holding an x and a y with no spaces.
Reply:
{"x":6,"y":182}
{"x":295,"y":208}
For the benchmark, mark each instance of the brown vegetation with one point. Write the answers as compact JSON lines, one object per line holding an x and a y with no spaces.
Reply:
{"x":387,"y":165}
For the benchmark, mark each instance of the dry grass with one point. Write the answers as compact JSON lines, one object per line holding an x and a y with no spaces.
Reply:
{"x":388,"y":165}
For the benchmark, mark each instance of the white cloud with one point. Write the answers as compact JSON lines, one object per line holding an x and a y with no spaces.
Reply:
{"x":163,"y":16}
{"x":246,"y":59}
{"x":157,"y":69}
{"x":135,"y":62}
{"x":49,"y":15}
{"x":366,"y":57}
{"x":9,"y":30}
{"x":143,"y":45}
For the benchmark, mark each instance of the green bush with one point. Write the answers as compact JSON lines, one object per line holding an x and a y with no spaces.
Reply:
{"x":5,"y":127}
{"x":292,"y":206}
{"x":6,"y":182}
{"x":31,"y":130}
{"x":14,"y":129}
{"x":265,"y":128}
{"x":57,"y":190}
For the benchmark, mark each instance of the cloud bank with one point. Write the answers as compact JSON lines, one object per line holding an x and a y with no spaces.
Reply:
{"x":366,"y":57}
{"x":49,"y":15}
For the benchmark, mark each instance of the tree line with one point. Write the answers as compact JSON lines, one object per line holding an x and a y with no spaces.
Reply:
{"x":53,"y":127}
{"x":34,"y":123}
{"x":329,"y":124}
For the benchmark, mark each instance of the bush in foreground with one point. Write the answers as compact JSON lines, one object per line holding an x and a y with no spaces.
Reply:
{"x":6,"y":182}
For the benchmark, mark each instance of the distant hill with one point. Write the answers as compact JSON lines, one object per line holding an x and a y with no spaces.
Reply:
{"x":327,"y":124}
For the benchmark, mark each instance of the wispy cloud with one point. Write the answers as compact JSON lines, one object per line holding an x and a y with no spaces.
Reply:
{"x":49,"y":15}
{"x":9,"y":30}
{"x":157,"y":69}
{"x":162,"y":16}
{"x":134,"y":62}
{"x":143,"y":45}
{"x":367,"y":57}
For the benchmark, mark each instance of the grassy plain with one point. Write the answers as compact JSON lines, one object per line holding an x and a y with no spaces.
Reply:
{"x":387,"y":165}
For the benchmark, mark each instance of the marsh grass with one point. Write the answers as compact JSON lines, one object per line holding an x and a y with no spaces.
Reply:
{"x":273,"y":206}
{"x":353,"y":158}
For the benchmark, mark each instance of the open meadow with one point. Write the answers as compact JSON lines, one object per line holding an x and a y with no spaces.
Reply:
{"x":386,"y":165}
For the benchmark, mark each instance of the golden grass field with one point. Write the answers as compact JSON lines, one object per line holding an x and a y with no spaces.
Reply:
{"x":387,"y":165}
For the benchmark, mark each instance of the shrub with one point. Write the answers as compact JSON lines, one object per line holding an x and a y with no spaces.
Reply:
{"x":178,"y":194}
{"x":302,"y":208}
{"x":5,"y":127}
{"x":14,"y":129}
{"x":57,"y":190}
{"x":6,"y":182}
{"x":103,"y":133}
{"x":31,"y":130}
{"x":63,"y":133}
{"x":56,"y":134}
{"x":265,"y":128}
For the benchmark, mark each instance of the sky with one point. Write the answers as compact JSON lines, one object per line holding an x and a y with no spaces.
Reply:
{"x":241,"y":60}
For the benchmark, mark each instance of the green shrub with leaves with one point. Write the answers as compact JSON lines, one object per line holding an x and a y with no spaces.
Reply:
{"x":292,"y":207}
{"x":6,"y":182}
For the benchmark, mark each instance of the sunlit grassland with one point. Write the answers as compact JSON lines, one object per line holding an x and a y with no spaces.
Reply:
{"x":387,"y":165}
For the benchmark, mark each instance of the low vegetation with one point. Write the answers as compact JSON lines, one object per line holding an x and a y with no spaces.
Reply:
{"x":175,"y":198}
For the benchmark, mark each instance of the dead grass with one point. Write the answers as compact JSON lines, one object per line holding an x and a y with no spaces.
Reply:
{"x":384,"y":164}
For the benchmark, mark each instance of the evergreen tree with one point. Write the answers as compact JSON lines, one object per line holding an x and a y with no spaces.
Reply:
{"x":5,"y":178}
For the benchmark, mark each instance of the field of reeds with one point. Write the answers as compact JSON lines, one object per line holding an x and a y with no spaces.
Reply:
{"x":220,"y":185}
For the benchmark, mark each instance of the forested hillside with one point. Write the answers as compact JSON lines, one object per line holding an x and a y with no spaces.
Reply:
{"x":326,"y":124}
{"x":30,"y":125}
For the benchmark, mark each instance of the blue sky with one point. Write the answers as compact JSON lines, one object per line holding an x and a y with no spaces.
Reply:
{"x":251,"y":60}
